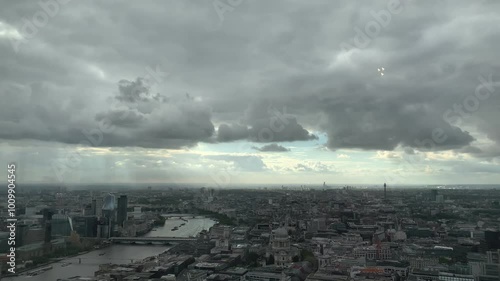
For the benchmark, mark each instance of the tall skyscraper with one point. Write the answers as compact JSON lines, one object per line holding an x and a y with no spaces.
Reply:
{"x":47,"y":224}
{"x":94,"y":206}
{"x":109,"y":212}
{"x":385,"y":191}
{"x":121,"y":215}
{"x":98,"y":207}
{"x":109,"y":203}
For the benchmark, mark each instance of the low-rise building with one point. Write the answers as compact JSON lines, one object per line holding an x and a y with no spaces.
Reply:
{"x":39,"y":249}
{"x":267,"y":274}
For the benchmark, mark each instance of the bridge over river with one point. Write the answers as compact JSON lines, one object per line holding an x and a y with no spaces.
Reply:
{"x":151,"y":240}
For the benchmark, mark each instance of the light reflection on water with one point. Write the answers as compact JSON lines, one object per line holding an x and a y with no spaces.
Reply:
{"x":120,"y":253}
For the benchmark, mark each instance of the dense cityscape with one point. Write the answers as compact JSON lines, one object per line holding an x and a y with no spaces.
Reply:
{"x":286,"y":233}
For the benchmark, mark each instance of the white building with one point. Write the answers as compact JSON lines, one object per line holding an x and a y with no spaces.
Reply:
{"x":281,"y":248}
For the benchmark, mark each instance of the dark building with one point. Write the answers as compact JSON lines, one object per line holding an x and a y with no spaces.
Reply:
{"x":103,"y":227}
{"x":21,"y":233}
{"x":434,"y":194}
{"x":87,"y":210}
{"x":94,"y":207}
{"x":4,"y":238}
{"x":109,"y":218}
{"x":385,"y":191}
{"x":85,"y":226}
{"x":47,"y":222}
{"x":492,"y":239}
{"x":61,"y":225}
{"x":121,"y":215}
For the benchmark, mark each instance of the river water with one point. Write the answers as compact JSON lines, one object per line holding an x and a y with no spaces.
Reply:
{"x":192,"y":226}
{"x":121,"y":254}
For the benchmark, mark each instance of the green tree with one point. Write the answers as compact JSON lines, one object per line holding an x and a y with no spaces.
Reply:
{"x":307,"y":255}
{"x":252,"y":259}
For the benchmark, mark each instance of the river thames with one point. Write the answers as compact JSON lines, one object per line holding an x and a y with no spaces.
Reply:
{"x":122,"y":254}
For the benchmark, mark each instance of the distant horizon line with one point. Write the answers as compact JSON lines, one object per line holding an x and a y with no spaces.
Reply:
{"x":146,"y":184}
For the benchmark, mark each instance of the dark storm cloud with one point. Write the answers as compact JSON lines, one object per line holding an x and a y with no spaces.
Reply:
{"x":285,"y":51}
{"x":377,"y":123}
{"x":273,"y":147}
{"x":265,"y":123}
{"x":152,"y":121}
{"x":144,"y":123}
{"x":262,"y":131}
{"x":122,"y":118}
{"x":231,"y":132}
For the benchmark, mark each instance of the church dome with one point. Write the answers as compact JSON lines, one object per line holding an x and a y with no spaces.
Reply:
{"x":281,"y":233}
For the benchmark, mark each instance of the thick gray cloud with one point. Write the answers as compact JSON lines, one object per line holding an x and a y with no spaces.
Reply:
{"x":136,"y":91}
{"x":385,"y":123}
{"x":144,"y":123}
{"x":272,"y":72}
{"x":232,"y":132}
{"x":273,"y":147}
{"x":262,"y":122}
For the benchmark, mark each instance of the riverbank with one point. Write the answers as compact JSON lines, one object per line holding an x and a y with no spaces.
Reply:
{"x":53,"y":261}
{"x":21,"y":271}
{"x":220,"y":218}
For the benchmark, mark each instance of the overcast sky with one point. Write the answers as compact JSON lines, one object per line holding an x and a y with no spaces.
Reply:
{"x":222,"y":92}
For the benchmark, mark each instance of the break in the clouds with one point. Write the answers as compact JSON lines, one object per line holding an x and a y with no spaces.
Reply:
{"x":302,"y":74}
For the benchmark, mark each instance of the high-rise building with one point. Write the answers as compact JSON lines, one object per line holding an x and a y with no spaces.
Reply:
{"x":47,"y":222}
{"x":434,"y":194}
{"x":121,"y":215}
{"x":61,"y":225}
{"x":109,"y":203}
{"x":98,"y":207}
{"x":60,"y":200}
{"x":87,"y":210}
{"x":492,"y":238}
{"x":21,"y":233}
{"x":385,"y":191}
{"x":94,"y":206}
{"x":85,"y":226}
{"x":109,"y":213}
{"x":109,"y":222}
